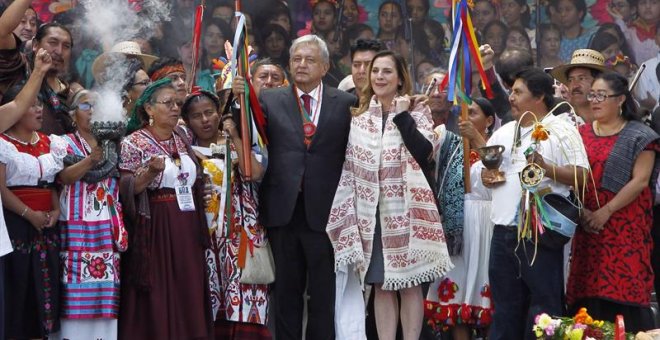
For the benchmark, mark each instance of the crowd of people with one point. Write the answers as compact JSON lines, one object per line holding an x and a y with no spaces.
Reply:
{"x":368,"y":204}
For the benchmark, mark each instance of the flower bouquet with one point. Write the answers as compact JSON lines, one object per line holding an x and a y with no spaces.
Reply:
{"x":581,"y":326}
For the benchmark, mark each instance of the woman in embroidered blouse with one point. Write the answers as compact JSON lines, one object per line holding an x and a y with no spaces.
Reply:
{"x":610,"y":270}
{"x":239,"y":310}
{"x":398,"y":242}
{"x":164,"y":289}
{"x":91,"y":231}
{"x":29,"y":161}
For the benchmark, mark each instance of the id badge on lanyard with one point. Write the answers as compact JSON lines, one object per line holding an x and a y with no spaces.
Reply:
{"x":184,"y":197}
{"x":184,"y":193}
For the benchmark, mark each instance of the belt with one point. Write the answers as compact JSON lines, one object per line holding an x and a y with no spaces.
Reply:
{"x":162,"y":195}
{"x":507,"y":227}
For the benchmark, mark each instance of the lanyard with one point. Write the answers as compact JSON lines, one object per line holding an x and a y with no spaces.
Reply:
{"x":176,"y":156}
{"x":309,"y":128}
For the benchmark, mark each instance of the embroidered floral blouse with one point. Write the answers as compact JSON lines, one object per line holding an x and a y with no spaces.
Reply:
{"x":26,"y":169}
{"x":138,"y":148}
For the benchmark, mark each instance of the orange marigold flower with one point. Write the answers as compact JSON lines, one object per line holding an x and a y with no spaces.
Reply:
{"x":583,"y":317}
{"x":540,"y":133}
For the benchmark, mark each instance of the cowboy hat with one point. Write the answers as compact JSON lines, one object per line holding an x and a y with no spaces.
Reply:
{"x":585,"y":58}
{"x":127,"y":48}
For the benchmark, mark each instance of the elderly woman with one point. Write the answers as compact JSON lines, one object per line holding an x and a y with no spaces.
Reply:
{"x":611,"y":264}
{"x":90,"y":215}
{"x":29,"y":161}
{"x":383,"y":186}
{"x":165,"y":291}
{"x":239,"y":309}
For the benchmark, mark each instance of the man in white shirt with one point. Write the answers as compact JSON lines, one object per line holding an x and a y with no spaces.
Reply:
{"x":647,"y":90}
{"x":520,"y":290}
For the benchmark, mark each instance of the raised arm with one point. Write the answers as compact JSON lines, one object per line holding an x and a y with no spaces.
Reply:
{"x":10,"y":20}
{"x":11,"y":112}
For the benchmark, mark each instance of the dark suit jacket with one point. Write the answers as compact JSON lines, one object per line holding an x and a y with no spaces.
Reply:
{"x":292,"y":166}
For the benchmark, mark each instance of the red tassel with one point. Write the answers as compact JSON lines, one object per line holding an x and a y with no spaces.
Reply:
{"x":257,"y":112}
{"x":197,"y":35}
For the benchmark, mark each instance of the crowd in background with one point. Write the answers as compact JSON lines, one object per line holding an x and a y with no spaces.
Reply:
{"x":357,"y":181}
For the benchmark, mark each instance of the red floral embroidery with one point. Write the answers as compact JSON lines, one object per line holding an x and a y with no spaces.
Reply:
{"x":465,"y":312}
{"x":485,"y":291}
{"x":97,"y":267}
{"x":447,"y":290}
{"x":484,"y":317}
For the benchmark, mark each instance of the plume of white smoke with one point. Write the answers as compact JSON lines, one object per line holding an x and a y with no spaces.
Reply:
{"x":113,"y":21}
{"x":116,"y":20}
{"x":109,"y":103}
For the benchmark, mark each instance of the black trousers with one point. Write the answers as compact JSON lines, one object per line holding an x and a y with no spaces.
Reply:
{"x":303,"y":258}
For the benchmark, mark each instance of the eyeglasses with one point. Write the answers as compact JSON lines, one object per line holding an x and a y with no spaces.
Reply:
{"x":170,"y":103}
{"x":37,"y":106}
{"x":143,"y":83}
{"x":85,"y":106}
{"x":600,"y":97}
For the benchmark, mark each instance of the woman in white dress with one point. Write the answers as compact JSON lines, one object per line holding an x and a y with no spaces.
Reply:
{"x":461,"y":299}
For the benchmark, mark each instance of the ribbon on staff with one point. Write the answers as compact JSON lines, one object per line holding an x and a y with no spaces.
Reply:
{"x":464,"y":51}
{"x":196,"y":38}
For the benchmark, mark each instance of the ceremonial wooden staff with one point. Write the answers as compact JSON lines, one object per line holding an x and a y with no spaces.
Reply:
{"x":245,"y":121}
{"x":196,"y":38}
{"x":464,"y":51}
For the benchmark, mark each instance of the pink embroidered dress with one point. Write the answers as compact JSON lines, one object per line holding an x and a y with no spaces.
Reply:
{"x":92,"y":236}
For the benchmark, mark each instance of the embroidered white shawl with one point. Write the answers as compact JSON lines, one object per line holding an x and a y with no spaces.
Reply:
{"x":379,"y":171}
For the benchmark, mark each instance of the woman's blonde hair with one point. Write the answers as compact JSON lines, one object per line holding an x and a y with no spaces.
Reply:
{"x":401,"y":70}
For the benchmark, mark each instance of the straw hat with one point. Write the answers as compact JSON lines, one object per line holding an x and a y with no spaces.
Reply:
{"x":585,"y":58}
{"x":127,"y":48}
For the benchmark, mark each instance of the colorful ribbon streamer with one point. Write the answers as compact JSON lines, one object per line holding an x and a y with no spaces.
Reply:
{"x":464,"y":52}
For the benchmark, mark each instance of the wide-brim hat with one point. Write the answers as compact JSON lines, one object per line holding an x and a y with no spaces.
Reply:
{"x":585,"y":58}
{"x":127,"y":48}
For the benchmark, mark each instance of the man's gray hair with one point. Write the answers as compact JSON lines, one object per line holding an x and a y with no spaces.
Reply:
{"x":311,"y":39}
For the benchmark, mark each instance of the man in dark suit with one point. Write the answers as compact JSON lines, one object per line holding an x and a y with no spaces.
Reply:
{"x":307,"y":128}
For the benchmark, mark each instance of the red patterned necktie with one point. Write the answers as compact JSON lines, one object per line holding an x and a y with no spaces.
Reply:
{"x":307,"y":102}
